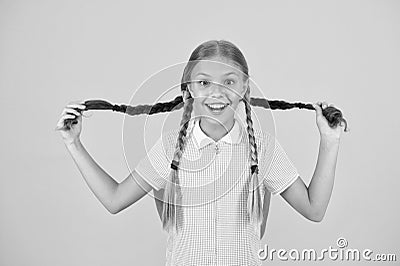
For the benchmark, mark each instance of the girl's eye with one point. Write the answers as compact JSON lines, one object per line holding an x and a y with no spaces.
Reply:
{"x":230,"y":82}
{"x":204,"y":82}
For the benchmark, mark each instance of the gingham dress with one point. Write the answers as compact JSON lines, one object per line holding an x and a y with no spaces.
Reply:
{"x":214,"y":179}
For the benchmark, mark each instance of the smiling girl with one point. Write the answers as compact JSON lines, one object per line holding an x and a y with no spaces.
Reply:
{"x":212,"y":176}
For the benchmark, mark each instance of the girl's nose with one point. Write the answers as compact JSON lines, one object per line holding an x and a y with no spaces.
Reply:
{"x":217,"y":88}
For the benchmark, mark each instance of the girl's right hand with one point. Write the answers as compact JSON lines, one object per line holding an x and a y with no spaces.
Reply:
{"x":73,"y":111}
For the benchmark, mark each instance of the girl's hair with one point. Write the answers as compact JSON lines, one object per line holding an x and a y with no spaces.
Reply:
{"x":204,"y":51}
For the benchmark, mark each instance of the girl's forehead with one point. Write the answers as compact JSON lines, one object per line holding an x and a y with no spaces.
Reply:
{"x":216,"y":68}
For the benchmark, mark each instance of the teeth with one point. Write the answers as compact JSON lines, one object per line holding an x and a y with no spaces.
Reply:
{"x":216,"y":106}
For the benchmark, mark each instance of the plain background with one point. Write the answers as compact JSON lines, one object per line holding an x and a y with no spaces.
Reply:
{"x":54,"y":52}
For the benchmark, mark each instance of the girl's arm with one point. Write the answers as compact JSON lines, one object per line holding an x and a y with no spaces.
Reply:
{"x":312,"y":201}
{"x":113,"y":195}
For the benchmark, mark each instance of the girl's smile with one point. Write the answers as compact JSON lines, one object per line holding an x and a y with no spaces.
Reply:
{"x":217,"y":108}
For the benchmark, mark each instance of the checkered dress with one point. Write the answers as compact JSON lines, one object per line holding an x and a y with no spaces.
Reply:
{"x":214,"y":179}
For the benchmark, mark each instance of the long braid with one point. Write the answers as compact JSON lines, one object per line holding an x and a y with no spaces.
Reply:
{"x":172,"y":189}
{"x":254,"y":205}
{"x":332,"y":114}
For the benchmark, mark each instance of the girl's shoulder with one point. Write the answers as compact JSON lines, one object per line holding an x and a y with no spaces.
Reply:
{"x":262,"y":137}
{"x":170,"y":137}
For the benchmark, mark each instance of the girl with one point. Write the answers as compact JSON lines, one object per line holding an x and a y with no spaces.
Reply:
{"x":213,"y":196}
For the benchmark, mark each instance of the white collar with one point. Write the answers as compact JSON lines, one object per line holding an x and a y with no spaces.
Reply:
{"x":202,"y":140}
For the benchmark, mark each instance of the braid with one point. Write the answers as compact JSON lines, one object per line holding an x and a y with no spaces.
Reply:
{"x":332,"y":114}
{"x":254,"y":205}
{"x":172,"y":188}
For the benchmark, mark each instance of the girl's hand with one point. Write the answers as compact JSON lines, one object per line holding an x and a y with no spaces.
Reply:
{"x":71,"y":111}
{"x":324,"y":129}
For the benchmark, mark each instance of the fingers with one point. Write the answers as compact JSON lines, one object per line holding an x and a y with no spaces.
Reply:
{"x":65,"y":117}
{"x":317,"y":107}
{"x":70,"y":111}
{"x":79,"y":105}
{"x":321,"y":105}
{"x":60,"y":123}
{"x":325,"y":104}
{"x":75,"y":107}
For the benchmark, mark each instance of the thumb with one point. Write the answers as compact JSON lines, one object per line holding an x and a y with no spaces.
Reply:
{"x":317,"y":108}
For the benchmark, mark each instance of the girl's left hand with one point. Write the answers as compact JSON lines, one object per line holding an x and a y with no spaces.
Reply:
{"x":325,"y":130}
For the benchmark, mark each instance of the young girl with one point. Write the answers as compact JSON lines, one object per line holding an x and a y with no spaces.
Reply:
{"x":212,"y":176}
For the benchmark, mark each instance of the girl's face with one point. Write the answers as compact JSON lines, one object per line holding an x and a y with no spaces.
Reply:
{"x":217,"y":86}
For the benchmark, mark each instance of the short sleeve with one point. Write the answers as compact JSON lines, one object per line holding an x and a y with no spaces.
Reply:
{"x":155,"y":168}
{"x":276,"y":168}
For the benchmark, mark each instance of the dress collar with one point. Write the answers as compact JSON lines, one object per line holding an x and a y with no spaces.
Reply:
{"x":234,"y":136}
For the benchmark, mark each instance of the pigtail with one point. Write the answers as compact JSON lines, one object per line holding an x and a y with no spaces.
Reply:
{"x":148,"y":109}
{"x":332,"y":114}
{"x":172,"y":193}
{"x":254,"y":201}
{"x":168,"y":216}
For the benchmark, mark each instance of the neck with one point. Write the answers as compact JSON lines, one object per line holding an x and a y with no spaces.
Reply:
{"x":215,"y":131}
